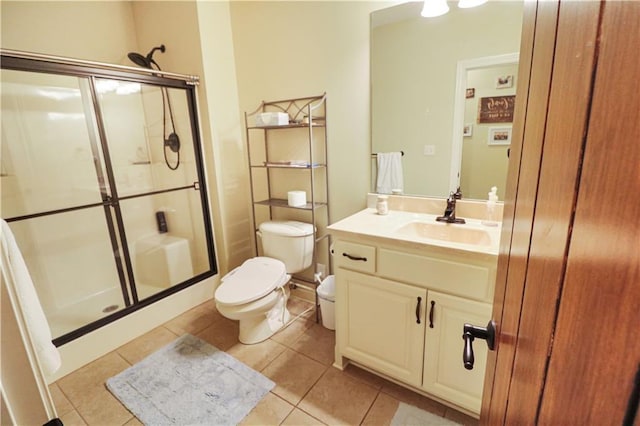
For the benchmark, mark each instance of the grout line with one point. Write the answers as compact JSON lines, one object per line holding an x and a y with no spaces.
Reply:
{"x":370,"y":407}
{"x":116,"y":351}
{"x":274,"y":358}
{"x":169,"y":330}
{"x":83,"y":419}
{"x":313,"y":385}
{"x":308,"y":414}
{"x":73,"y":406}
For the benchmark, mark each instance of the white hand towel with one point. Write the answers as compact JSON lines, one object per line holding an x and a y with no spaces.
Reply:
{"x":17,"y":276}
{"x":389,"y":172}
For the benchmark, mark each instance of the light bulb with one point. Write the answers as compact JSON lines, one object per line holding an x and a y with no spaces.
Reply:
{"x":465,"y":4}
{"x":433,"y":8}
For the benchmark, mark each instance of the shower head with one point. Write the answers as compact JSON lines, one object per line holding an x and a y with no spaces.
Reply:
{"x":146,"y":61}
{"x":172,"y":141}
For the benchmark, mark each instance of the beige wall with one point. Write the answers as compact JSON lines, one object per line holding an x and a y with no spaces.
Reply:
{"x":220,"y":105}
{"x":99,"y":31}
{"x":295,"y":49}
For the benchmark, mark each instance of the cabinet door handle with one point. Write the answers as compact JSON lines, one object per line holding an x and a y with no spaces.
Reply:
{"x":418,"y":310}
{"x":433,"y":304}
{"x":364,"y":259}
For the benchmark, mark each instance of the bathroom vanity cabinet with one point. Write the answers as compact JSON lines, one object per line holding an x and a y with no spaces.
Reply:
{"x":400,"y":311}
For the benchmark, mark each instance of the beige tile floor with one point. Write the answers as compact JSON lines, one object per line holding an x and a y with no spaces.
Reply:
{"x":308,"y":391}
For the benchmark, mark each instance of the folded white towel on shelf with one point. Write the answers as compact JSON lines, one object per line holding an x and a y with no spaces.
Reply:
{"x":390,"y":174}
{"x":16,"y":275}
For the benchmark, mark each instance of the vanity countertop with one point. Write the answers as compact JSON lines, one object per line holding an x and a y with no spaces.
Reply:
{"x":421,"y":229}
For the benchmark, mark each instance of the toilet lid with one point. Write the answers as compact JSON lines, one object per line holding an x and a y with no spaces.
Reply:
{"x":254,"y":279}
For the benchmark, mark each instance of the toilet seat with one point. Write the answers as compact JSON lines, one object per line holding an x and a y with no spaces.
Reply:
{"x":254,"y":279}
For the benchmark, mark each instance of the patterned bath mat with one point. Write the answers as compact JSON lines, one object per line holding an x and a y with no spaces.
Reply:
{"x":189,"y":382}
{"x":408,"y":415}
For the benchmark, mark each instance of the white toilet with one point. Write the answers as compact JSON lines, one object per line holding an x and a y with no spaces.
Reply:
{"x":254,"y":293}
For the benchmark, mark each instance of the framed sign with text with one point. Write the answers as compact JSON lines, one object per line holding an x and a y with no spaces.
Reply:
{"x":496,"y":109}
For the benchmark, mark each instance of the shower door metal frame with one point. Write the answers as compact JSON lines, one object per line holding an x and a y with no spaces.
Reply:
{"x":24,"y":61}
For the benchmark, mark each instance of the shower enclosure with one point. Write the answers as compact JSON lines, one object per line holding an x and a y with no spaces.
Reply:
{"x":103,"y":186}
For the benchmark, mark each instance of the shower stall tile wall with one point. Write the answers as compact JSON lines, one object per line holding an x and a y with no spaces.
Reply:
{"x":86,"y":171}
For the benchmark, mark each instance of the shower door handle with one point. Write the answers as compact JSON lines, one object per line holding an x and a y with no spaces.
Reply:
{"x":109,"y":201}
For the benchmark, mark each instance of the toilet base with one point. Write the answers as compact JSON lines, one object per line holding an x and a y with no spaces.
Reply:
{"x":258,"y":329}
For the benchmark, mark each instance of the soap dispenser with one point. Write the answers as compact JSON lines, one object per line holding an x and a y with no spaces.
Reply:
{"x":490,"y":215}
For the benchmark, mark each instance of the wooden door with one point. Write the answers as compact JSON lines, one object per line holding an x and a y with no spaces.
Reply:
{"x":596,"y":343}
{"x":568,"y":288}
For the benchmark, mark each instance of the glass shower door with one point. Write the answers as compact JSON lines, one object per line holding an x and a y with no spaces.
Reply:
{"x":103,"y":186}
{"x":54,"y":197}
{"x":154,"y":163}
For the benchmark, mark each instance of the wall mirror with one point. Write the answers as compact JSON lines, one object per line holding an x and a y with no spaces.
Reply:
{"x":434,"y":82}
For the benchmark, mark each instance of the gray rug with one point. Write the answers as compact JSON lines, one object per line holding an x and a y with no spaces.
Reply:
{"x":189,"y":382}
{"x":408,"y":415}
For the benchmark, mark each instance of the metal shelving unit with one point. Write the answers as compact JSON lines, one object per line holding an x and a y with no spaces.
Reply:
{"x":267,"y":147}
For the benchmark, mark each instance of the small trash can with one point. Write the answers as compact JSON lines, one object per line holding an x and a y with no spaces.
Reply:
{"x":327,"y":296}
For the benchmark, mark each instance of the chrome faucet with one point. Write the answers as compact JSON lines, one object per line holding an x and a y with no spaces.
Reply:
{"x":449,"y":215}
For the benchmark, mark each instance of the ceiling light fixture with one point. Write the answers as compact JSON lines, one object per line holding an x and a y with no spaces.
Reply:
{"x":433,"y":8}
{"x":465,"y":4}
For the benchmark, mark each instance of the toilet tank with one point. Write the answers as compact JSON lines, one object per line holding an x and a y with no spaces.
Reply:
{"x":289,"y":241}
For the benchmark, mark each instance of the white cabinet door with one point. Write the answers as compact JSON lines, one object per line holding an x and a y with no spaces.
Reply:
{"x":444,"y":372}
{"x":383,"y":324}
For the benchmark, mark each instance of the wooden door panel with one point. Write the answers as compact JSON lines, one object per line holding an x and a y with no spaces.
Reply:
{"x":596,"y":349}
{"x":566,"y":126}
{"x":567,"y":299}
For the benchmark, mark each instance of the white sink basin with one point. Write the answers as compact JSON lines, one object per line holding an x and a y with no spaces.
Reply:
{"x":446,"y":232}
{"x":413,"y":228}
